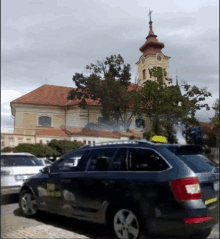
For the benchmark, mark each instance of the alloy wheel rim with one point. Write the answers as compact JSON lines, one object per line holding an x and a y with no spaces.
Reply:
{"x":28,"y":204}
{"x":126,"y":224}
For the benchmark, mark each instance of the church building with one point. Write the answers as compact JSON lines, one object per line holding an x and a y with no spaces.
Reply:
{"x":45,"y":113}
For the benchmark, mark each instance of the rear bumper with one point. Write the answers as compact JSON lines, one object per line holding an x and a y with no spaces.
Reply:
{"x":177,"y":227}
{"x":10,"y":190}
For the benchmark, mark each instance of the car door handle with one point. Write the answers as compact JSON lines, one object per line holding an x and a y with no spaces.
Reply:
{"x":107,"y":183}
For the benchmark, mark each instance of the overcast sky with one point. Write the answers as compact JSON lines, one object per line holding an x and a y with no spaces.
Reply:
{"x":54,"y":39}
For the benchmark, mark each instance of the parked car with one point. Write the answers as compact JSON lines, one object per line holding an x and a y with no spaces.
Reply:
{"x":134,"y":187}
{"x":45,"y":161}
{"x":16,"y":167}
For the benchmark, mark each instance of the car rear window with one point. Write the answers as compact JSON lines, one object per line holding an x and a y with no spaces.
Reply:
{"x":198,"y":163}
{"x":20,"y":161}
{"x":192,"y":157}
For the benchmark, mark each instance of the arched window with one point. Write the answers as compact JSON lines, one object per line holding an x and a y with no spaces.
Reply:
{"x":44,"y":121}
{"x":144,"y":74}
{"x":140,"y":124}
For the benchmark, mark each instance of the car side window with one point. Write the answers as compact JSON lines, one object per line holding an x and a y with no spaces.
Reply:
{"x":70,"y":162}
{"x":119,"y":162}
{"x":99,"y":159}
{"x":145,"y":160}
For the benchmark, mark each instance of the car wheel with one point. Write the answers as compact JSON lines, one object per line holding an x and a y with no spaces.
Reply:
{"x":28,"y":204}
{"x":126,"y":224}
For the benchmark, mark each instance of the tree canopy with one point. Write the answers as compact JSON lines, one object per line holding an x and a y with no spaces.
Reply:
{"x":108,"y":82}
{"x":215,"y":119}
{"x":168,"y":105}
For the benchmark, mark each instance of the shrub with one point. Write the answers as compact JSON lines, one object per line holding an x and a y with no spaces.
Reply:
{"x":38,"y":150}
{"x":7,"y":150}
{"x":62,"y":146}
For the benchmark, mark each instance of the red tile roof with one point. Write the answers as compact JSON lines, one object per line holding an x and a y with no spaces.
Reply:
{"x":83,"y":132}
{"x":89,"y":132}
{"x":206,"y":126}
{"x":55,"y":96}
{"x":51,"y":132}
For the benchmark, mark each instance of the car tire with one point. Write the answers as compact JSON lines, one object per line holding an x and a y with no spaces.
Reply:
{"x":28,"y":204}
{"x":127,"y":224}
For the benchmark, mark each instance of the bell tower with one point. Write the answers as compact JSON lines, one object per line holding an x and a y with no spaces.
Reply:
{"x":151,"y":56}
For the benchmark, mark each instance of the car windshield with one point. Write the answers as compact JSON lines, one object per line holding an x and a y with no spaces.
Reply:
{"x":20,"y":160}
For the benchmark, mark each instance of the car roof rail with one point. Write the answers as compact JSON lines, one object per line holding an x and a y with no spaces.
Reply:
{"x":28,"y":154}
{"x":121,"y":142}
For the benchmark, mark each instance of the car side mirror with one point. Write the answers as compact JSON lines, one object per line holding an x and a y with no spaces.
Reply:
{"x":46,"y":170}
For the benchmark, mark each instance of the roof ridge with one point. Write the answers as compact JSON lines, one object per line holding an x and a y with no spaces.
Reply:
{"x":60,"y":86}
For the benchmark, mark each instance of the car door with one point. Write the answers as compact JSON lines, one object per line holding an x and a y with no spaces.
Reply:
{"x":146,"y":168}
{"x":92,"y":183}
{"x":66,"y":175}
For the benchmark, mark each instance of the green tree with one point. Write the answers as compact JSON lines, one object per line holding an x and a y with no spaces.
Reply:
{"x":191,"y":102}
{"x":159,"y":102}
{"x":215,"y":119}
{"x":165,"y":105}
{"x":107,"y":82}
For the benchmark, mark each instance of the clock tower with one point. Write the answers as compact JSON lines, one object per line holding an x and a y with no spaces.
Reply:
{"x":151,"y":56}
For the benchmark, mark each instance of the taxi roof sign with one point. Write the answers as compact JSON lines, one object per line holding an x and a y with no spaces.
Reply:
{"x":159,"y":139}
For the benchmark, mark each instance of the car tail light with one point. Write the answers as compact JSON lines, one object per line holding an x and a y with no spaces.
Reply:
{"x":195,"y":220}
{"x":186,"y":189}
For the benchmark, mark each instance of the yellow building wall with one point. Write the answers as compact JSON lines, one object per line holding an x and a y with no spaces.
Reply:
{"x":149,"y":62}
{"x":59,"y":120}
{"x":29,"y":121}
{"x":19,"y":116}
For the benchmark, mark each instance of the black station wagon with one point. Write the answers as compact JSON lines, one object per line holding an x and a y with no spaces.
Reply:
{"x":134,"y":187}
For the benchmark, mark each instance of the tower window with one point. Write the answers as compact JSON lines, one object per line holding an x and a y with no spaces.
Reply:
{"x":144,"y":74}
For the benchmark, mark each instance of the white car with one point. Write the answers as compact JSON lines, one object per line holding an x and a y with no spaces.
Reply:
{"x":15,"y":168}
{"x":45,"y":161}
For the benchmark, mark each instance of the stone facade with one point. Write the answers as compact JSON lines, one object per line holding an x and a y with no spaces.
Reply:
{"x":148,"y":62}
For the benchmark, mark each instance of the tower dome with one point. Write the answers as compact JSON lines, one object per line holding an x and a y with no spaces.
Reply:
{"x":151,"y":46}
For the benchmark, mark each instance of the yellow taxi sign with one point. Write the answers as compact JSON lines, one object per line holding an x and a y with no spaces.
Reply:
{"x":159,"y":139}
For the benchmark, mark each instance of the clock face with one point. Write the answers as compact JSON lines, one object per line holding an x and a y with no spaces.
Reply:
{"x":158,"y":58}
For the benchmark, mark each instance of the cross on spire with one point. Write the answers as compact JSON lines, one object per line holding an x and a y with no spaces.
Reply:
{"x":149,"y":14}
